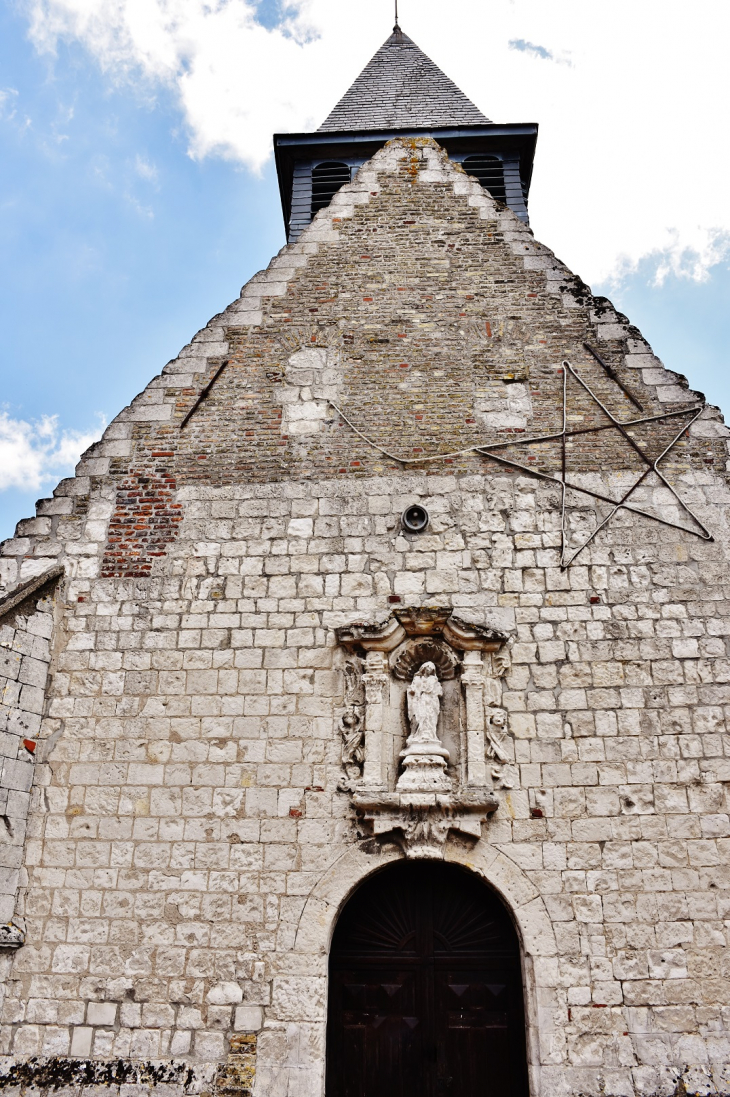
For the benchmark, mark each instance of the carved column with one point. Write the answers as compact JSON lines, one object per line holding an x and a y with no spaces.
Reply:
{"x":472,"y":679}
{"x":375,"y":679}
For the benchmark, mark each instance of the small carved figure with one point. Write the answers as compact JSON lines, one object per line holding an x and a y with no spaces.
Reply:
{"x":424,"y":705}
{"x":496,"y":735}
{"x":353,"y":749}
{"x":503,"y":773}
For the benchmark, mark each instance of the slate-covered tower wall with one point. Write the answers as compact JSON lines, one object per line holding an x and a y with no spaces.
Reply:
{"x":192,"y":832}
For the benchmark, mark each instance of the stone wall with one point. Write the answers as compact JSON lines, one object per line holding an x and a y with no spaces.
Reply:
{"x":191,"y":839}
{"x":26,"y":628}
{"x":191,"y":805}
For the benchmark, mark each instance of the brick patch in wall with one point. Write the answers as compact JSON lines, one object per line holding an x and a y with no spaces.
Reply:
{"x":144,"y":523}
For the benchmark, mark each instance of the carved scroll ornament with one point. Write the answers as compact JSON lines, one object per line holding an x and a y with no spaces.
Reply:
{"x":352,"y":726}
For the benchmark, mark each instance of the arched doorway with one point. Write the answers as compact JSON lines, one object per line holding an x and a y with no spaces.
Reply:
{"x":425,"y":994}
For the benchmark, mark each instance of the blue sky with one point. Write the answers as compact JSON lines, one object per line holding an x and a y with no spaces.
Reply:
{"x":130,"y":212}
{"x":117,"y":246}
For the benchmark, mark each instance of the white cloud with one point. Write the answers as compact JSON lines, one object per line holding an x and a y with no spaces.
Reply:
{"x":631,"y":159}
{"x":537,"y":51}
{"x":8,"y":103}
{"x":34,"y":454}
{"x":146,"y":170}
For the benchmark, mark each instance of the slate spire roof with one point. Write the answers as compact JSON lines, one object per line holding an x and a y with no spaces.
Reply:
{"x":401,"y":88}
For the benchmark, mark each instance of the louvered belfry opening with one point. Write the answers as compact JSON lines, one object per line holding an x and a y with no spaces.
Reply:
{"x":327,"y":178}
{"x":425,"y":991}
{"x":489,"y":170}
{"x":400,"y":93}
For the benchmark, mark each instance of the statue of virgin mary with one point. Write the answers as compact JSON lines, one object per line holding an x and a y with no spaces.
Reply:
{"x":424,"y":705}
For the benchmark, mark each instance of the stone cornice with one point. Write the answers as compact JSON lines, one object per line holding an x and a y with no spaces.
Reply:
{"x":420,"y":621}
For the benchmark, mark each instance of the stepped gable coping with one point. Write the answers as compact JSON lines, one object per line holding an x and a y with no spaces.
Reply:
{"x":202,"y":356}
{"x":401,"y":87}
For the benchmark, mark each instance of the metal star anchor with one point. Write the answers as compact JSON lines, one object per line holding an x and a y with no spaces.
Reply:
{"x":568,"y":554}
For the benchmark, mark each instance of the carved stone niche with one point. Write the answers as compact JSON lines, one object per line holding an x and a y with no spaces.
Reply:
{"x":419,"y":749}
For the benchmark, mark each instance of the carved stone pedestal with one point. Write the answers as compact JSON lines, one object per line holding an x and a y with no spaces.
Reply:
{"x":421,"y":821}
{"x":424,"y":768}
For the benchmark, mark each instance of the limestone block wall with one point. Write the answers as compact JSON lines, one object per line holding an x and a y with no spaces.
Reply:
{"x":26,"y":629}
{"x":190,"y":848}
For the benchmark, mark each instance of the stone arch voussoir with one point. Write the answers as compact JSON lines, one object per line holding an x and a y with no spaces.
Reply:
{"x":521,"y":896}
{"x":318,"y":918}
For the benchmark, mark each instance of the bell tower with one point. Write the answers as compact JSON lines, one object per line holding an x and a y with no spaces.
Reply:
{"x":401,"y":93}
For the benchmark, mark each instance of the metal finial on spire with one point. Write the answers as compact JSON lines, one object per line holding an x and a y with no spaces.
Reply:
{"x":396,"y":27}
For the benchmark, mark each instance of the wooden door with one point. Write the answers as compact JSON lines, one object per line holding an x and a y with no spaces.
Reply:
{"x":425,"y":996}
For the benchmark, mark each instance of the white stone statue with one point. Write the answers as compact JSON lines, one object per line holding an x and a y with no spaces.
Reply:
{"x":425,"y":757}
{"x":503,"y":772}
{"x":496,"y":735}
{"x":424,"y":705}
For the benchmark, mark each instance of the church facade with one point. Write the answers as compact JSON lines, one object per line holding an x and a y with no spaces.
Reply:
{"x":365,"y":690}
